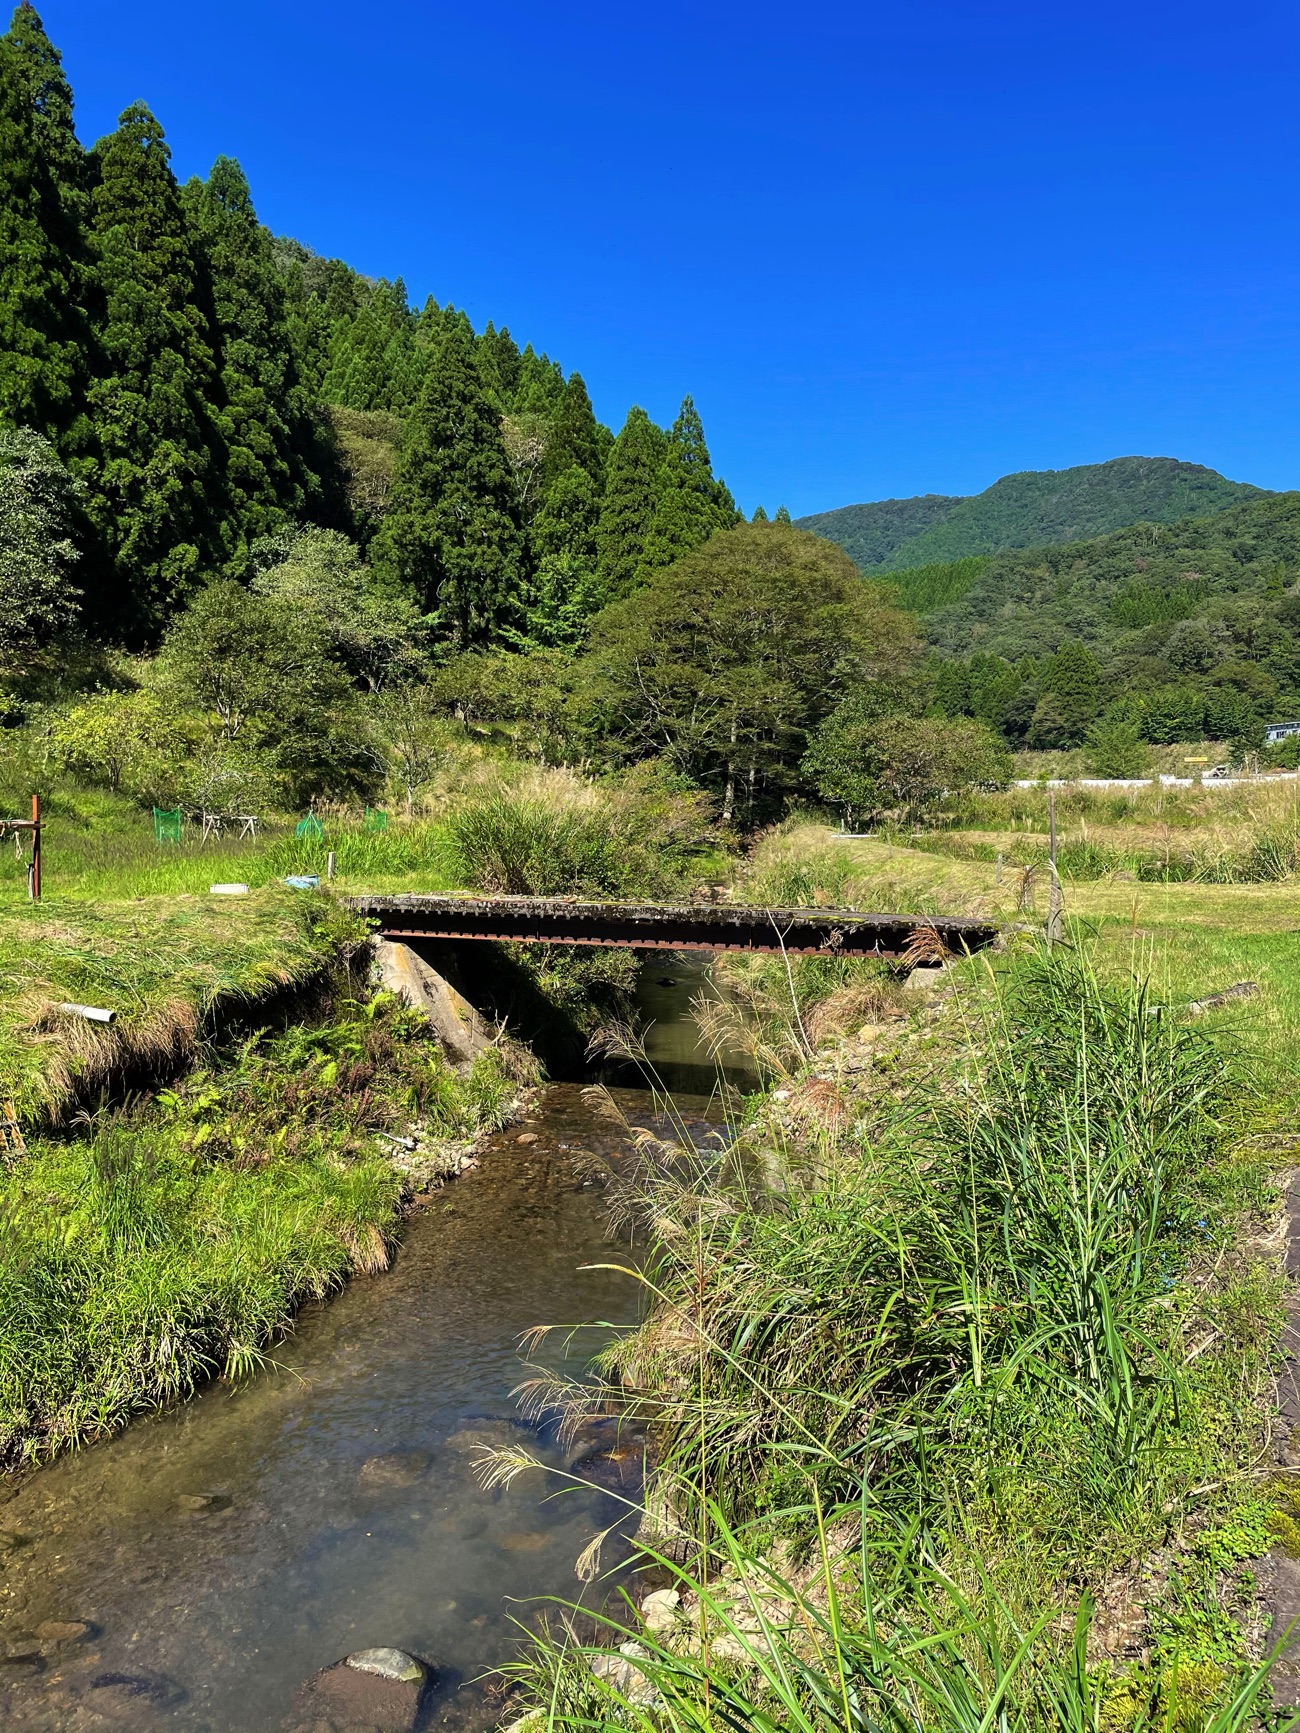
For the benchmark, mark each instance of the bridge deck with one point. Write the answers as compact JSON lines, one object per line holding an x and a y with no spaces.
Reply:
{"x":666,"y":927}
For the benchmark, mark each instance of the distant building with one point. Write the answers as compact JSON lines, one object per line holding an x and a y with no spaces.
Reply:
{"x":1280,"y":731}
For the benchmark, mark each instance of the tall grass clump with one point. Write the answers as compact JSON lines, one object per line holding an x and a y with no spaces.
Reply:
{"x":557,"y":836}
{"x":987,"y":1342}
{"x":978,"y":1294}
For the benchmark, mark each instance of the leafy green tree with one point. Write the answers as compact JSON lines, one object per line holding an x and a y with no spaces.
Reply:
{"x":43,"y":334}
{"x":724,"y":663}
{"x":760,"y":516}
{"x":413,"y":727}
{"x":783,"y":516}
{"x":377,"y":634}
{"x":264,"y":414}
{"x":38,"y":499}
{"x":159,"y":495}
{"x":1070,"y":687}
{"x":628,"y":506}
{"x":258,"y":672}
{"x":125,"y":740}
{"x":453,"y":536}
{"x":1115,"y":748}
{"x":900,"y":766}
{"x":690,"y":503}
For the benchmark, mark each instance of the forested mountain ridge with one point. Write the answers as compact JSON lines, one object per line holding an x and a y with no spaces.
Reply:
{"x":1185,"y":630}
{"x":180,"y":391}
{"x":1031,"y":509}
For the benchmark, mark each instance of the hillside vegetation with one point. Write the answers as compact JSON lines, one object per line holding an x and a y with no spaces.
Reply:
{"x":1031,"y":509}
{"x":1174,"y":632}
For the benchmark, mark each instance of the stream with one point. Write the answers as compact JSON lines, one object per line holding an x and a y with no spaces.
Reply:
{"x":221,"y":1552}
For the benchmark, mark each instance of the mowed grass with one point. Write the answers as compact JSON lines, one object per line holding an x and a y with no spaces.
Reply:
{"x":1190,"y":940}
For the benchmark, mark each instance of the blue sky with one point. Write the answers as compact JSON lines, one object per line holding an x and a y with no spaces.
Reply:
{"x":890,"y":249}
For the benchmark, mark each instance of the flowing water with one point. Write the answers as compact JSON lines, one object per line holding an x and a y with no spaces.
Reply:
{"x":223,"y":1552}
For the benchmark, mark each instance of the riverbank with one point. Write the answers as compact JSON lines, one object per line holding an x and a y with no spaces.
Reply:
{"x":973,"y":1402}
{"x":172,"y":1237}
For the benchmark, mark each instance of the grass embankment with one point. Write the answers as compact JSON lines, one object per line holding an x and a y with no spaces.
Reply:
{"x":162,"y":1243}
{"x":172,"y":1240}
{"x":968,"y":1412}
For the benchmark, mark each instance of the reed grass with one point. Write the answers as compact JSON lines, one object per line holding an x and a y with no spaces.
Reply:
{"x":993,"y":1335}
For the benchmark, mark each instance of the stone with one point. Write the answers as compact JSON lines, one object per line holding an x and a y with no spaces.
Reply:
{"x":490,"y":1433}
{"x":395,"y":1468}
{"x":527,"y":1137}
{"x":394,"y":1664}
{"x":628,"y":1680}
{"x":199,"y":1503}
{"x":660,"y":1610}
{"x":137,"y":1688}
{"x":528,"y":1540}
{"x":372,"y":1691}
{"x":64,"y":1630}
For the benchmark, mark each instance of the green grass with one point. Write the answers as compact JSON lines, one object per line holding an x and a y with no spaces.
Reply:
{"x":996,"y":1333}
{"x":170,"y":1243}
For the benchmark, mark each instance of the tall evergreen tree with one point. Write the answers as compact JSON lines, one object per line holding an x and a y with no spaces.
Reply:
{"x":452,"y":535}
{"x":575,"y":436}
{"x":44,"y":339}
{"x":372,"y":357}
{"x":159,"y":496}
{"x":499,"y":364}
{"x":691,"y":504}
{"x":264,"y":416}
{"x":628,"y":505}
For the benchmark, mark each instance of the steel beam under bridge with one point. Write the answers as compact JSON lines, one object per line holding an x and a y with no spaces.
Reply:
{"x":669,"y":927}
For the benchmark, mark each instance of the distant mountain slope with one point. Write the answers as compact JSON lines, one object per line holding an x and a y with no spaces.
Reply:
{"x":1035,"y":508}
{"x":1125,"y":593}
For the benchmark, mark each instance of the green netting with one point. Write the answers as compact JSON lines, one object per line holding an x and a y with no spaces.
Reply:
{"x":310,"y":826}
{"x":166,"y":825}
{"x":376,"y":820}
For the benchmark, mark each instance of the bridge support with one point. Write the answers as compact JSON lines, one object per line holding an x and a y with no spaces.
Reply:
{"x":461,"y":1031}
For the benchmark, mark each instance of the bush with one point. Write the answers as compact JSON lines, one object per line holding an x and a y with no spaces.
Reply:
{"x":557,"y":839}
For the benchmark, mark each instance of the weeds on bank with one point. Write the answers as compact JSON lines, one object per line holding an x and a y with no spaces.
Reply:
{"x":998,"y":1332}
{"x":173,"y":1239}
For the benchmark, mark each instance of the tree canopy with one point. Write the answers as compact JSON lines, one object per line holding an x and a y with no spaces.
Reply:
{"x":724,"y":662}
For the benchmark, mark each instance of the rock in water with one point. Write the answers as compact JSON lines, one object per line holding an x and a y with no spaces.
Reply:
{"x":396,"y":1468}
{"x":63,"y":1630}
{"x":372,"y":1691}
{"x":201,"y":1502}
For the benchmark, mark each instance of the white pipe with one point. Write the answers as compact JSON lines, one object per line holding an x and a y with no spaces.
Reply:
{"x":93,"y":1013}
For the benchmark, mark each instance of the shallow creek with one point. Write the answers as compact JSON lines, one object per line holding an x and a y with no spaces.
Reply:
{"x":222,"y":1552}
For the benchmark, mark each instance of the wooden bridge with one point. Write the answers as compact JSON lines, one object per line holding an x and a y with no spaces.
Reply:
{"x":674,"y":926}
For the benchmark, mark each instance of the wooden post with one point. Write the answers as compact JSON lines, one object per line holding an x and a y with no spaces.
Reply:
{"x":1055,"y":901}
{"x":34,"y":873}
{"x":329,"y":865}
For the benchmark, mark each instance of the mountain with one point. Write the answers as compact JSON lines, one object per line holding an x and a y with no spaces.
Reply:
{"x":1034,"y":508}
{"x":1186,"y":631}
{"x":1129,"y":591}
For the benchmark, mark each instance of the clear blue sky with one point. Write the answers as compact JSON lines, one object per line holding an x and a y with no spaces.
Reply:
{"x":890,"y":249}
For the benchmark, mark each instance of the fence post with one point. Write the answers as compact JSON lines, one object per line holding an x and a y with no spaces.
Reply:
{"x":1055,"y":901}
{"x":34,"y":874}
